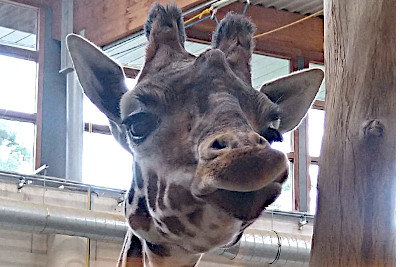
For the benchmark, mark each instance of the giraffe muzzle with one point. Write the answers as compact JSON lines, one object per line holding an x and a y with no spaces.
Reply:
{"x":241,"y":161}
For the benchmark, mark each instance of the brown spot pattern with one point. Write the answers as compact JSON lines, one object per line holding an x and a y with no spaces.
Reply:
{"x":161,"y":193}
{"x":135,"y":247}
{"x":137,"y":175}
{"x":152,"y":189}
{"x":179,"y":197}
{"x":200,"y":249}
{"x":214,"y":226}
{"x":159,"y":250}
{"x":174,"y":225}
{"x":131,"y":193}
{"x":195,"y":217}
{"x":141,"y":218}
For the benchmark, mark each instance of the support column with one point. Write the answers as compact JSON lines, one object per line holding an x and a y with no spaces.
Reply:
{"x":63,"y":250}
{"x":74,"y":114}
{"x":302,"y":150}
{"x":355,"y":223}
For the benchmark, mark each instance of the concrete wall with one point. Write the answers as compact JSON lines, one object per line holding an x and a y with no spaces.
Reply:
{"x":23,"y":249}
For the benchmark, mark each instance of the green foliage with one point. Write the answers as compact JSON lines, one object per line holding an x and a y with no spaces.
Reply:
{"x":13,"y":155}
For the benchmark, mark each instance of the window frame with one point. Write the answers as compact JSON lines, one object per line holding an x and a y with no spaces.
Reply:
{"x":296,"y":64}
{"x":38,"y":57}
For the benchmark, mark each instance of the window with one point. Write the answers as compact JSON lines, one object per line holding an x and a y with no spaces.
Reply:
{"x":285,"y":201}
{"x":265,"y":69}
{"x":105,"y":162}
{"x":19,"y":69}
{"x":313,"y":171}
{"x":315,"y":132}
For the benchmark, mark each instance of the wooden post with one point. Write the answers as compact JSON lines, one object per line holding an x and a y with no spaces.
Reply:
{"x":355,"y":223}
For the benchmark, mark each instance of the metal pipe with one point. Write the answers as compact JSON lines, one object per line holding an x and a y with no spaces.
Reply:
{"x":267,"y":247}
{"x":8,"y":176}
{"x":49,"y":219}
{"x":270,"y":247}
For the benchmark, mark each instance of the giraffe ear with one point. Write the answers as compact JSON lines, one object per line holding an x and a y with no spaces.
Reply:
{"x":234,"y":36}
{"x":102,"y":80}
{"x":294,"y":95}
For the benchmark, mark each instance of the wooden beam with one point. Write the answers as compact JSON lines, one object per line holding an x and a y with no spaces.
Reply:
{"x":302,"y":40}
{"x":40,"y":83}
{"x":97,"y":128}
{"x":19,"y":52}
{"x":356,"y":223}
{"x":131,"y":73}
{"x":17,"y":116}
{"x":106,"y":21}
{"x":35,"y":3}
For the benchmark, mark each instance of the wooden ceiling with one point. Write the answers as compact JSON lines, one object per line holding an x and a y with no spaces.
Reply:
{"x":17,"y":17}
{"x":106,"y":21}
{"x":304,"y":39}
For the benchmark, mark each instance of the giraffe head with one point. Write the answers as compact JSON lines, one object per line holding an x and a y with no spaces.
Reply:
{"x":199,"y":132}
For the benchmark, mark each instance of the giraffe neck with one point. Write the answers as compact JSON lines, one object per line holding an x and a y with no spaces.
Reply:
{"x":136,"y":253}
{"x":162,"y":256}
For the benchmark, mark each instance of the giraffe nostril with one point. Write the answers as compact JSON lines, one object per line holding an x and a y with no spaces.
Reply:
{"x":217,"y":144}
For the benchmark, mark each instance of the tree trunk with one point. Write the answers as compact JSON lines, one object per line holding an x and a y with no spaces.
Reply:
{"x":355,"y":223}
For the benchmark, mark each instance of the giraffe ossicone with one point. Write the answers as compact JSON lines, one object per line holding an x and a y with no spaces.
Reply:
{"x":200,"y":134}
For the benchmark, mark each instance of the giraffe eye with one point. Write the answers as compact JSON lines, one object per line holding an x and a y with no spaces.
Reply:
{"x":141,"y":124}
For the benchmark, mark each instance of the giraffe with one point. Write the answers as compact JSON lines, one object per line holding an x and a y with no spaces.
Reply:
{"x":200,"y":134}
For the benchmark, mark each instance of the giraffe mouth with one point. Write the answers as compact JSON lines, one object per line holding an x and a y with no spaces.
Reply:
{"x":241,"y":170}
{"x":245,"y":206}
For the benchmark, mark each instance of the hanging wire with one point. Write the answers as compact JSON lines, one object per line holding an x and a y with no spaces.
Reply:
{"x":216,"y":19}
{"x":245,"y":8}
{"x":201,"y":14}
{"x":129,"y":49}
{"x":290,"y":24}
{"x":89,"y":207}
{"x":200,"y":20}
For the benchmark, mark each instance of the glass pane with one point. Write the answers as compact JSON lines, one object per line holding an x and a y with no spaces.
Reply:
{"x":105,"y":162}
{"x":321,"y":94}
{"x":313,"y":171}
{"x":92,"y":114}
{"x":286,"y":145}
{"x":18,"y":84}
{"x":285,"y":200}
{"x":316,"y":119}
{"x":18,"y":26}
{"x":17,"y":146}
{"x":130,"y":83}
{"x":264,"y":69}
